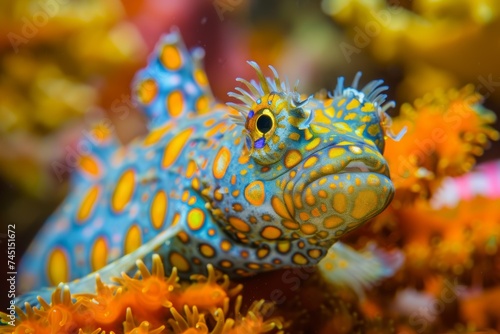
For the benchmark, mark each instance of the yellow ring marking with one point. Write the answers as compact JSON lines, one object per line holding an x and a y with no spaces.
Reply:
{"x":313,"y":144}
{"x":158,"y":210}
{"x":133,"y":239}
{"x":372,"y":180}
{"x":207,"y":250}
{"x":310,"y":199}
{"x":179,"y":261}
{"x":253,"y":266}
{"x":239,"y":224}
{"x":226,"y":264}
{"x":304,"y":216}
{"x":315,"y":212}
{"x":271,"y":232}
{"x":254,"y":193}
{"x":175,"y":103}
{"x":89,"y":165}
{"x":156,"y":135}
{"x":336,"y":152}
{"x":218,"y":196}
{"x":262,"y":253}
{"x":314,"y":253}
{"x":99,"y":254}
{"x":170,"y":57}
{"x":368,"y":107}
{"x":191,"y":168}
{"x":333,"y":222}
{"x":183,"y":237}
{"x":221,"y":162}
{"x":291,"y":225}
{"x":200,"y":77}
{"x":365,"y":203}
{"x":196,"y":219}
{"x":310,"y":162}
{"x":225,"y":245}
{"x":353,"y":104}
{"x":289,"y":203}
{"x":279,"y":207}
{"x":340,"y":202}
{"x":58,"y":267}
{"x":202,"y":105}
{"x":294,"y":136}
{"x":88,"y":204}
{"x":147,"y":91}
{"x":300,"y":259}
{"x":176,"y":219}
{"x":292,"y":158}
{"x":174,"y":148}
{"x":308,"y":228}
{"x":124,"y":190}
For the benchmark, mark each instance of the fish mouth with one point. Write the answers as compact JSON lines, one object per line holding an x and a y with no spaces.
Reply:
{"x":342,"y":159}
{"x":338,"y":169}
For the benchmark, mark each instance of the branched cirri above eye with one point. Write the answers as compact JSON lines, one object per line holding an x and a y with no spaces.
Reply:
{"x":267,"y":107}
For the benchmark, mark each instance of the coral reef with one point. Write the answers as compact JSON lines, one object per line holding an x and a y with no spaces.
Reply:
{"x":445,"y":215}
{"x":431,"y":40}
{"x":42,"y":91}
{"x":447,"y":249}
{"x":149,"y":302}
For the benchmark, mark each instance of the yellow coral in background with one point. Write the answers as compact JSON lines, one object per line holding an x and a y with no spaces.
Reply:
{"x":55,"y":58}
{"x":440,"y":44}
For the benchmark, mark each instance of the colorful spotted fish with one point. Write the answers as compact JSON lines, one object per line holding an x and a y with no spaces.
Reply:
{"x":271,"y":182}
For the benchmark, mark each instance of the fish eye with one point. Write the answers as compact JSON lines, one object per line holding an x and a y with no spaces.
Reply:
{"x":264,"y":123}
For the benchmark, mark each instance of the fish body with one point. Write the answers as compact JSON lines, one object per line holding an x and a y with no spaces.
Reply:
{"x":271,"y":182}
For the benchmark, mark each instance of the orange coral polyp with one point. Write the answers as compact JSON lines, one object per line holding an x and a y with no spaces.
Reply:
{"x":106,"y":314}
{"x":446,"y":130}
{"x":154,"y":293}
{"x":204,"y":296}
{"x":59,"y":317}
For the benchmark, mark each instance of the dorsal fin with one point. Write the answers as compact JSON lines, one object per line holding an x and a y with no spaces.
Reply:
{"x":174,"y":83}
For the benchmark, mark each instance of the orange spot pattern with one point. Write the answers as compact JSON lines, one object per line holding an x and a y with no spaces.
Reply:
{"x":88,"y":204}
{"x":174,"y":148}
{"x":221,"y":162}
{"x":159,"y":209}
{"x":124,"y":190}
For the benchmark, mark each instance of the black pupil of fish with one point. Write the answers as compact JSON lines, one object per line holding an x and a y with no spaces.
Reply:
{"x":264,"y":123}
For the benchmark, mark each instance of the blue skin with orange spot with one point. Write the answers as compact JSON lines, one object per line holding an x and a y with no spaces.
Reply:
{"x":269,"y":183}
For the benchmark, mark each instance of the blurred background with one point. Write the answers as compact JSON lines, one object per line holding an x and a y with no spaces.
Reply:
{"x":65,"y":64}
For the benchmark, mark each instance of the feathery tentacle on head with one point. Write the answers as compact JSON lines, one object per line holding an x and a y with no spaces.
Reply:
{"x":268,"y":96}
{"x":371,"y":92}
{"x":256,"y":90}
